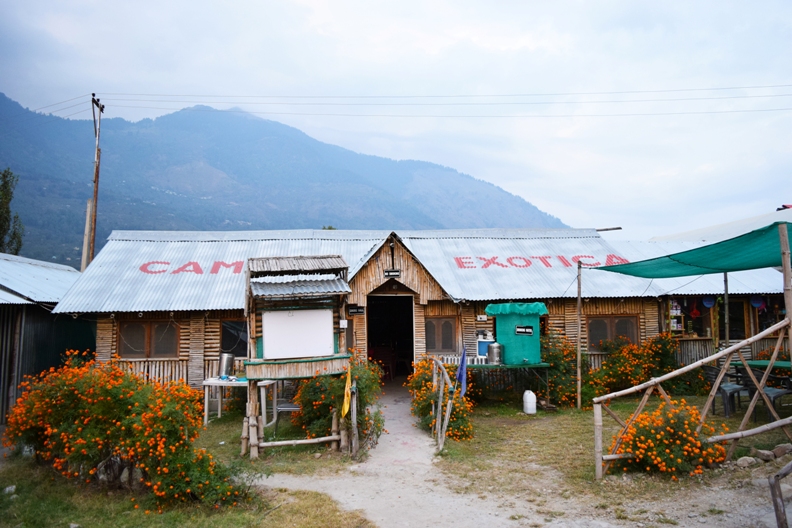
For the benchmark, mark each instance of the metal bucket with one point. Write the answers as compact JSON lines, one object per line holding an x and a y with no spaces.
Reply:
{"x":494,"y":353}
{"x":226,"y":365}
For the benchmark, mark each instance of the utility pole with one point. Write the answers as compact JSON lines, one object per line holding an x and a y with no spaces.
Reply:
{"x":89,"y":239}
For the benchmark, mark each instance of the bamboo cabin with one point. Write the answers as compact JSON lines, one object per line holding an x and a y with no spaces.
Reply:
{"x":168,"y":303}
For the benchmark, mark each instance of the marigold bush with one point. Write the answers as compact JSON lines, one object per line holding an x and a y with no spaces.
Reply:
{"x":319,"y":395}
{"x":94,"y":420}
{"x":665,"y":441}
{"x":424,"y":400}
{"x":628,"y":365}
{"x":561,"y":355}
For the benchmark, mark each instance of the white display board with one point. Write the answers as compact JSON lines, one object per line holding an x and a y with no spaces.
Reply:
{"x":297,"y":334}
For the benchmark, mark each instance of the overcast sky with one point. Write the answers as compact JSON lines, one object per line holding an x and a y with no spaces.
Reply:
{"x":549,"y":85}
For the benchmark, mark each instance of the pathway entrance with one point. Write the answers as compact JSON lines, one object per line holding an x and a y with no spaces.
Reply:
{"x":397,"y":486}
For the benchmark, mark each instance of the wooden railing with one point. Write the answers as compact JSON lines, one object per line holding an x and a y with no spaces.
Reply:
{"x":602,"y":462}
{"x":165,"y":370}
{"x":162,"y":370}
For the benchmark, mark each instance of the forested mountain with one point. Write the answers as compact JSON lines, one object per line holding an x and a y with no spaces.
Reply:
{"x":205,"y":169}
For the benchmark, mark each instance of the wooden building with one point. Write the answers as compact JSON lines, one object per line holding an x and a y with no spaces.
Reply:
{"x":167,"y":303}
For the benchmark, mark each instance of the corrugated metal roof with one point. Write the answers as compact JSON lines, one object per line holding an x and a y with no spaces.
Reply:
{"x":36,"y":280}
{"x":300,"y":263}
{"x":174,"y":271}
{"x":169,"y":271}
{"x":299,"y":288}
{"x":10,"y":298}
{"x":544,"y":267}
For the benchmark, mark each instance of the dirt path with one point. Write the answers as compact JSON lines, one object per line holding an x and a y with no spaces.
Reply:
{"x":398,"y":486}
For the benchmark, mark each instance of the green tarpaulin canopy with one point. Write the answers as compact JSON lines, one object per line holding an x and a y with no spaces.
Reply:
{"x":756,"y":249}
{"x":536,"y":308}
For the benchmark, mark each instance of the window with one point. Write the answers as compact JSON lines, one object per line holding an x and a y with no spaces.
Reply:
{"x":606,"y":328}
{"x":441,"y":334}
{"x":148,"y":339}
{"x":234,"y":338}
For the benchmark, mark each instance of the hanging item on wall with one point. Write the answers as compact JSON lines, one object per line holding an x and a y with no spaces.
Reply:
{"x":758,"y":302}
{"x":694,"y":313}
{"x":708,"y":301}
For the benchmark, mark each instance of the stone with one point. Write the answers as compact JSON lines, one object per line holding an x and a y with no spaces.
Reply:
{"x":14,"y":497}
{"x":761,"y":454}
{"x":746,"y":461}
{"x":9,"y":490}
{"x":318,"y":455}
{"x":761,"y":483}
{"x":782,"y":449}
{"x":74,"y":525}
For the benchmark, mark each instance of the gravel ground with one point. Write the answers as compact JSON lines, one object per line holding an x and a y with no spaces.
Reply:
{"x":398,"y":486}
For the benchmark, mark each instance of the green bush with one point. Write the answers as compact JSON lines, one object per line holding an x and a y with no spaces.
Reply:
{"x":424,"y":400}
{"x":319,"y":395}
{"x":96,"y":422}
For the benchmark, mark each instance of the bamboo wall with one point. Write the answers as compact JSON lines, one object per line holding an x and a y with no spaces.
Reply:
{"x":199,"y":344}
{"x":413,"y":275}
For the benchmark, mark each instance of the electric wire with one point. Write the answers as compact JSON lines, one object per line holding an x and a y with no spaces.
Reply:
{"x":327,"y":114}
{"x":510,"y":103}
{"x":537,"y":94}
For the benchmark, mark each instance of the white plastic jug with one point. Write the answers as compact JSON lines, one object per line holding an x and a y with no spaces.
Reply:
{"x":529,"y":402}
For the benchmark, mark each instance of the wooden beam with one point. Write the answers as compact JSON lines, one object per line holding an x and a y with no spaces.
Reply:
{"x":671,"y":375}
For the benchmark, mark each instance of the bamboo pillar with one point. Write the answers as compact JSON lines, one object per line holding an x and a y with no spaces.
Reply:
{"x":726,"y":308}
{"x":334,"y":431}
{"x":353,"y":409}
{"x":579,"y":325}
{"x":598,"y":440}
{"x":786,"y":267}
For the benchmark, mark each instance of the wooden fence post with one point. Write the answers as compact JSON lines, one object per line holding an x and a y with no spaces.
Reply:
{"x":598,"y":440}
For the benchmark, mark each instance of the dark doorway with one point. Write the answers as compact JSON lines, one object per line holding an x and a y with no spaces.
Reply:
{"x":390,"y":333}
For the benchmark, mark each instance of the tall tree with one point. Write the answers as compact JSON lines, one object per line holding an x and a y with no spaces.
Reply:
{"x":11,"y":228}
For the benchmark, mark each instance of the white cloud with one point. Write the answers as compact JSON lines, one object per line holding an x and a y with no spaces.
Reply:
{"x":650,"y":174}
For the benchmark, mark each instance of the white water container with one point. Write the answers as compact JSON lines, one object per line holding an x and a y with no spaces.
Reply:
{"x":529,"y":402}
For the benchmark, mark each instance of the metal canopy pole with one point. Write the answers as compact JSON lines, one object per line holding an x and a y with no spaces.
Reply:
{"x":579,"y":327}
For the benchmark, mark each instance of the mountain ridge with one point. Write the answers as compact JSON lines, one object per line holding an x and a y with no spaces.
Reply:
{"x":206,"y":169}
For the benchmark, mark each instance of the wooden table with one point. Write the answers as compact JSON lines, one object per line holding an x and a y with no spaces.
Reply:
{"x":761,"y":364}
{"x":217,"y":382}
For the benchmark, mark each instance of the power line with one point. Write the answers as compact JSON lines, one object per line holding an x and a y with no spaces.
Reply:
{"x":461,"y":103}
{"x":308,"y":114}
{"x":536,"y":94}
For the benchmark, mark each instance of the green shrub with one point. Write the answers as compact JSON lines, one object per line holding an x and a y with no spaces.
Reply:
{"x":96,"y":422}
{"x":424,"y":400}
{"x":319,"y":395}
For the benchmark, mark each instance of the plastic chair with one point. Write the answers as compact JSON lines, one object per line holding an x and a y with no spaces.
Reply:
{"x":772,"y":393}
{"x":726,"y":390}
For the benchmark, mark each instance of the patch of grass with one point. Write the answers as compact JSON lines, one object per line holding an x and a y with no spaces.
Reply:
{"x":300,"y":459}
{"x":515,"y":453}
{"x":45,"y":499}
{"x":715,"y":511}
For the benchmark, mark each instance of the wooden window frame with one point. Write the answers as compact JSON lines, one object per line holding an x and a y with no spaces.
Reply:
{"x":611,"y":322}
{"x":247,"y":330}
{"x":149,"y":327}
{"x":439,"y":334}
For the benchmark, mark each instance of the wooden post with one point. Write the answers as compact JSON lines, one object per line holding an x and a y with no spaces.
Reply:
{"x":252,"y":414}
{"x":334,"y":430}
{"x":598,"y":440}
{"x":726,"y":307}
{"x":579,"y":327}
{"x":245,"y":435}
{"x":786,"y":268}
{"x":778,"y":501}
{"x":353,"y":410}
{"x":87,"y":236}
{"x":344,"y":434}
{"x":713,"y":392}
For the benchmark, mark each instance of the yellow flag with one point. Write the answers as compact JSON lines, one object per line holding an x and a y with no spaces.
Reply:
{"x":347,"y":392}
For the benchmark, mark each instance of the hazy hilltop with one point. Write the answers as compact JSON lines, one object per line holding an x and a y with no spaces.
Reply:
{"x":205,"y":169}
